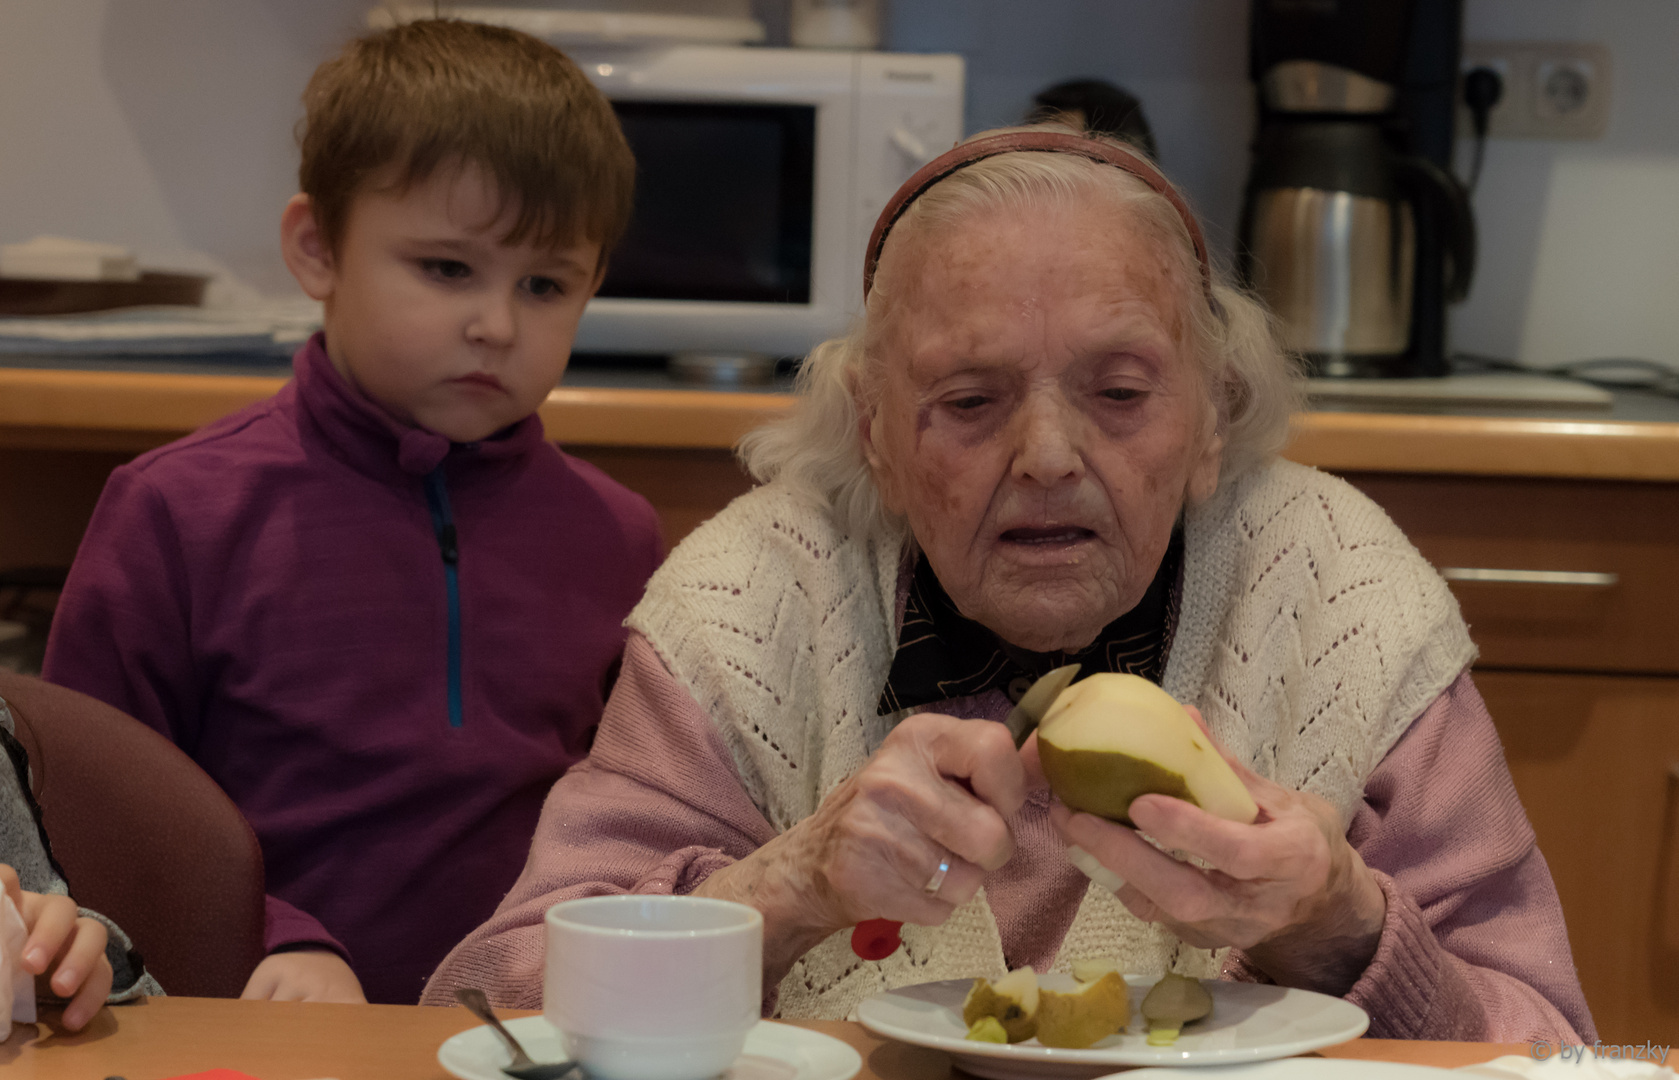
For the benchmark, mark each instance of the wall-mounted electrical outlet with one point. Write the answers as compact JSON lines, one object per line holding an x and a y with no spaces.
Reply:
{"x":1552,"y":89}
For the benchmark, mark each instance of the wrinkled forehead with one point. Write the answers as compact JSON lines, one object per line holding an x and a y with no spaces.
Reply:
{"x":1088,"y":264}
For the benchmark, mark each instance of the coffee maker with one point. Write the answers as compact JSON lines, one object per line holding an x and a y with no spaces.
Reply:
{"x":1354,"y":230}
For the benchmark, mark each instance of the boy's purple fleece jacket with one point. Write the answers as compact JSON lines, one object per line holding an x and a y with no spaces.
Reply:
{"x":385,"y":648}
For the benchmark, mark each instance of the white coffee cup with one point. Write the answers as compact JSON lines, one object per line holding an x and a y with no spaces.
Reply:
{"x":653,"y":987}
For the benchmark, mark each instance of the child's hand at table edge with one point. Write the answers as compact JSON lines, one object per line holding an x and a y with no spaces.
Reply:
{"x":65,"y":951}
{"x":304,"y":975}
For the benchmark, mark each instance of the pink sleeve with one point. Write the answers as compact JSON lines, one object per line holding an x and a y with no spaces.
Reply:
{"x":655,"y":808}
{"x":1474,"y":948}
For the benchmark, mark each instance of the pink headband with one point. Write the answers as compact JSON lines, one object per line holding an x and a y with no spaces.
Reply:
{"x":1055,"y":142}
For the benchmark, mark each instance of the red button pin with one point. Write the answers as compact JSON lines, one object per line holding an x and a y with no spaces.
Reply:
{"x":876,"y":939}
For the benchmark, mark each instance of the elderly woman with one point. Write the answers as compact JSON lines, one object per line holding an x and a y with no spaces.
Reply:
{"x":1052,"y":439}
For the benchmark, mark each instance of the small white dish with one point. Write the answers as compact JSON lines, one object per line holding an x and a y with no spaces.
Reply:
{"x":773,"y":1052}
{"x":1250,"y":1022}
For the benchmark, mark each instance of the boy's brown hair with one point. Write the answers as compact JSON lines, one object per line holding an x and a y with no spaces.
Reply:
{"x":442,"y":93}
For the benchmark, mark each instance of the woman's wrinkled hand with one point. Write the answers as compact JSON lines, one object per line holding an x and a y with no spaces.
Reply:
{"x":937,"y":785}
{"x":1287,"y":889}
{"x":65,"y":950}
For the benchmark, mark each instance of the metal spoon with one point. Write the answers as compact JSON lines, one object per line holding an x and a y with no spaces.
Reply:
{"x":521,"y":1067}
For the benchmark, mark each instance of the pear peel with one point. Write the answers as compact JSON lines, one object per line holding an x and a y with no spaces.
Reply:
{"x":1095,"y":871}
{"x":1015,"y":1008}
{"x":1093,"y":968}
{"x":1110,"y":738}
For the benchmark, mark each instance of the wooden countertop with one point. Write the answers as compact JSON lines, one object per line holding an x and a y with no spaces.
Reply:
{"x":134,"y":411}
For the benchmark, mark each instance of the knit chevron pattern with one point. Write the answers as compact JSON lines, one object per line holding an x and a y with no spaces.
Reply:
{"x":1310,"y":633}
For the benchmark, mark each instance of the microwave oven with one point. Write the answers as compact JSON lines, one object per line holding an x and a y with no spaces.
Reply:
{"x":759,"y":175}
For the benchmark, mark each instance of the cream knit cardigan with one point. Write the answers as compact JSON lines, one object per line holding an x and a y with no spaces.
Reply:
{"x":1311,"y":633}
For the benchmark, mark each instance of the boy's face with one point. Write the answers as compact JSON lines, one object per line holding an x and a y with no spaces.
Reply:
{"x":431,"y":316}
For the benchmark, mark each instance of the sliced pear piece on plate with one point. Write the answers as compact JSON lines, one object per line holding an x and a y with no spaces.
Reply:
{"x":1012,"y":1000}
{"x":1113,"y":737}
{"x":1086,"y":1016}
{"x":1174,"y":1001}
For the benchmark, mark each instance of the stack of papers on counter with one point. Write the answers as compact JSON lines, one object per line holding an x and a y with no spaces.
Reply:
{"x":271,"y":330}
{"x":59,"y":258}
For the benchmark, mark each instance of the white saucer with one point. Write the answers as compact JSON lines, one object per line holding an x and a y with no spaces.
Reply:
{"x":1301,"y":1069}
{"x":773,"y":1052}
{"x":1250,"y":1022}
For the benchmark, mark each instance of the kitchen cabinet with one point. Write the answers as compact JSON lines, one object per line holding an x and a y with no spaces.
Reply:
{"x":1571,"y":590}
{"x":1594,"y":758}
{"x":685,"y":488}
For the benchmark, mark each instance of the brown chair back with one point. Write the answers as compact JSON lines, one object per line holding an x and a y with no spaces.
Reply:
{"x":145,"y":837}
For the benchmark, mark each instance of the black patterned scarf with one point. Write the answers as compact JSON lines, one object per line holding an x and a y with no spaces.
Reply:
{"x":944,"y":655}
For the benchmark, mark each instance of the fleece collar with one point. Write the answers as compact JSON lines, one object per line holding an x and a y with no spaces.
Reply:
{"x":371,"y":441}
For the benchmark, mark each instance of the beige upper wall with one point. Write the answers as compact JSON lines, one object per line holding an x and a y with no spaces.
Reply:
{"x":166,"y":125}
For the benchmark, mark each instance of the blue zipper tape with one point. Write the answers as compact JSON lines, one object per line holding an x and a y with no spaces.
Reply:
{"x":443,"y":524}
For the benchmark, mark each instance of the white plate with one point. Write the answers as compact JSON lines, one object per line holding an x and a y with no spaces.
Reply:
{"x":1303,"y":1069}
{"x":773,"y":1052}
{"x":1250,"y":1022}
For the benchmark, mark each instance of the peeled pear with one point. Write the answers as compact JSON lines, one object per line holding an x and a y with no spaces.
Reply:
{"x":1083,"y":1017}
{"x":1174,"y":1001}
{"x":1013,"y":1000}
{"x":1113,"y":737}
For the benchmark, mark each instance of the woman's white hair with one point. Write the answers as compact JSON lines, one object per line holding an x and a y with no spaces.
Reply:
{"x":1252,"y":383}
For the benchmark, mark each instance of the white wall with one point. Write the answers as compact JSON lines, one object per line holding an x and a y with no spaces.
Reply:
{"x":166,"y":125}
{"x":1580,"y":240}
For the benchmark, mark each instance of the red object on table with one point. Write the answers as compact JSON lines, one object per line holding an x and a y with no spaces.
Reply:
{"x":876,"y":939}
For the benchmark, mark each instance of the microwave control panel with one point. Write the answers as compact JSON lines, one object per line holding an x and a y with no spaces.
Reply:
{"x":911,"y":105}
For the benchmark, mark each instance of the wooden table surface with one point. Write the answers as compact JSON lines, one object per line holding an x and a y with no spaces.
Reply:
{"x":166,"y":1037}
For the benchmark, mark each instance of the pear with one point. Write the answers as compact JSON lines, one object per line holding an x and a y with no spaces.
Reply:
{"x":1113,"y":737}
{"x":1013,"y":1000}
{"x":987,"y":1029}
{"x":1090,"y":969}
{"x":1174,"y":1001}
{"x":1083,"y":1017}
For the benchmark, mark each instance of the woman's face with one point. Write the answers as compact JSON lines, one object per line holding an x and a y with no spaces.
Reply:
{"x":1040,"y":420}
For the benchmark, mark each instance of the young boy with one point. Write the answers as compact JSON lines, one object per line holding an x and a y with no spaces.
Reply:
{"x":379,"y":608}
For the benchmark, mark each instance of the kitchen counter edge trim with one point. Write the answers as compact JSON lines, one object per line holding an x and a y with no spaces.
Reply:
{"x":133,"y":411}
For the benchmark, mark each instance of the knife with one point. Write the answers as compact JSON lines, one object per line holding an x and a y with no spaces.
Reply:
{"x":876,"y":939}
{"x":1034,"y":704}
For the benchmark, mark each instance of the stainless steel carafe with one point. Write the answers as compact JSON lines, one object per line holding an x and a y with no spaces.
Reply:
{"x":1355,"y":245}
